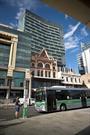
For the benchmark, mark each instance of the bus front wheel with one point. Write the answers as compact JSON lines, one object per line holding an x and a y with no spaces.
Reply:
{"x":63,"y":107}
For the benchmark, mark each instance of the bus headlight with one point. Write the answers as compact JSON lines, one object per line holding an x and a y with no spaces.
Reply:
{"x":43,"y":107}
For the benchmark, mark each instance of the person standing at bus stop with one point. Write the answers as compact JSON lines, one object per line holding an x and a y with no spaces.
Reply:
{"x":17,"y":107}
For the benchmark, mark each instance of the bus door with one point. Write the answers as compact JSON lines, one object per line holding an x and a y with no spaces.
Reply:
{"x":51,"y":100}
{"x":83,"y":99}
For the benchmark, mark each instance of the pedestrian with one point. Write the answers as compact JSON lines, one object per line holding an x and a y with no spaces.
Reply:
{"x":17,"y":107}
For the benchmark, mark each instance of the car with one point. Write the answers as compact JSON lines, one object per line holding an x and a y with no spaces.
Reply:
{"x":30,"y":101}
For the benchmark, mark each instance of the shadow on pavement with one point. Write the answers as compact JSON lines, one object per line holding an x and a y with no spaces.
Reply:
{"x":11,"y":124}
{"x":2,"y":127}
{"x":85,"y":131}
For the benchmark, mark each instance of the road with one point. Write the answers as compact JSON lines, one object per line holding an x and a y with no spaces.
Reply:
{"x":8,"y":113}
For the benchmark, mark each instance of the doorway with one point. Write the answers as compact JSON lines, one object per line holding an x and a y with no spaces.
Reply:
{"x":51,"y":100}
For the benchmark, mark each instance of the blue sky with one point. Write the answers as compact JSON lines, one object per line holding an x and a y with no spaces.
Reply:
{"x":75,"y":32}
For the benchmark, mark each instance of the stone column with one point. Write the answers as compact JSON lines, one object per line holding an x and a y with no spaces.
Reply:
{"x":11,"y":55}
{"x":9,"y":88}
{"x":51,"y":67}
{"x":11,"y":64}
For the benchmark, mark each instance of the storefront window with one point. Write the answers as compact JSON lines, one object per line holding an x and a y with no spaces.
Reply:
{"x":18,"y":79}
{"x":3,"y":75}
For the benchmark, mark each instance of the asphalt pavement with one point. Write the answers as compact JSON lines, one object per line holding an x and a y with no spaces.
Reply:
{"x":8,"y":112}
{"x":72,"y":122}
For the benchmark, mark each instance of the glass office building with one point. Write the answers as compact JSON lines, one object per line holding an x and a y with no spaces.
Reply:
{"x":43,"y":34}
{"x":84,"y":59}
{"x":15,"y":55}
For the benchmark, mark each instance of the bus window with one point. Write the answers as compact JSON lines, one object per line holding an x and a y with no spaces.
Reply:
{"x":62,"y":95}
{"x":83,"y":93}
{"x":88,"y":94}
{"x":40,"y":95}
{"x":75,"y":94}
{"x":83,"y":98}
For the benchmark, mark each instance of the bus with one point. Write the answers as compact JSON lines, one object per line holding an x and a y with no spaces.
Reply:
{"x":61,"y":98}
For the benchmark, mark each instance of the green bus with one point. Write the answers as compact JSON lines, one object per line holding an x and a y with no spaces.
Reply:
{"x":60,"y":98}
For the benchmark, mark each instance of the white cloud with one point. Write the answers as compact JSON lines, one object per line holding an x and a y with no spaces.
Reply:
{"x":70,"y":27}
{"x":72,"y":31}
{"x":23,"y":3}
{"x":84,"y":32}
{"x":27,"y":4}
{"x":19,"y":13}
{"x":74,"y":50}
{"x":71,"y":42}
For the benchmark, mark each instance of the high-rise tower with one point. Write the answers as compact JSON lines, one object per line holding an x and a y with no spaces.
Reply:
{"x":84,"y":59}
{"x":43,"y":34}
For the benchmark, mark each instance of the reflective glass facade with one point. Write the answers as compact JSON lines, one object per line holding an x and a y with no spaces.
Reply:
{"x":23,"y":53}
{"x":18,"y":79}
{"x":4,"y":54}
{"x":44,"y":34}
{"x":3,"y":75}
{"x":15,"y":55}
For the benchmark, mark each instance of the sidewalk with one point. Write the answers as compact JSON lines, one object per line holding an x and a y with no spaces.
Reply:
{"x":76,"y":122}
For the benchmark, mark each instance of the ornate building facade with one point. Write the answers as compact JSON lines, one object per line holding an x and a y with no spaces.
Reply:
{"x":45,"y":72}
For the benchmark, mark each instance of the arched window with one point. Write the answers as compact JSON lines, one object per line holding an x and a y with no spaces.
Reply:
{"x":54,"y":75}
{"x":40,"y":65}
{"x":47,"y":66}
{"x":75,"y":80}
{"x":67,"y":79}
{"x":38,"y":73}
{"x":53,"y":68}
{"x":45,"y":73}
{"x":42,"y":73}
{"x":71,"y":79}
{"x":49,"y":74}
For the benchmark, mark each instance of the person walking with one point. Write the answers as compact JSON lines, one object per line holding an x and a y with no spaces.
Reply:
{"x":17,"y":107}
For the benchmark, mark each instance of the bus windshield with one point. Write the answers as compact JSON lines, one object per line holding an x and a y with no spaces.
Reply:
{"x":40,"y":95}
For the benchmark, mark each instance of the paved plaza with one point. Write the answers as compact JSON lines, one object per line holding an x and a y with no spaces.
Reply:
{"x":72,"y":122}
